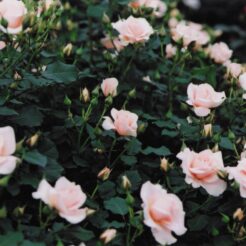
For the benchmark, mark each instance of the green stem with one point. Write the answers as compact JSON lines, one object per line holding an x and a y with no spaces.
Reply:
{"x":94,"y":191}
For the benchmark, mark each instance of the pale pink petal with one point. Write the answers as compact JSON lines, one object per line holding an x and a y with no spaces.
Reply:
{"x":2,"y":45}
{"x":62,"y":183}
{"x":242,"y":190}
{"x":7,"y":135}
{"x":7,"y":164}
{"x":190,"y":91}
{"x":108,"y":124}
{"x":202,"y":112}
{"x":114,"y":113}
{"x":74,"y":216}
{"x":163,"y":236}
{"x":43,"y":192}
{"x":216,"y":188}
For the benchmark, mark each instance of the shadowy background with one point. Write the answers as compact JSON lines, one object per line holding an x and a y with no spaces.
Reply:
{"x":227,"y":15}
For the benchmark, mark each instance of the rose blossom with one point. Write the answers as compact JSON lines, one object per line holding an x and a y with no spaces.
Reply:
{"x":66,"y":197}
{"x":125,"y":122}
{"x":158,"y":6}
{"x":114,"y":43}
{"x":188,"y":33}
{"x":7,"y":148}
{"x":170,"y":51}
{"x":2,"y":45}
{"x":201,"y":170}
{"x":233,"y":69}
{"x":133,"y":30}
{"x":109,"y":87}
{"x":13,"y":11}
{"x":220,"y":52}
{"x":239,"y":174}
{"x":172,"y":22}
{"x":163,"y":212}
{"x":203,"y":97}
{"x":242,"y":81}
{"x":108,"y":235}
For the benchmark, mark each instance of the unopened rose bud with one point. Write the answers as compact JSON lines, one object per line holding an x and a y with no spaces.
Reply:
{"x":132,"y":93}
{"x":67,"y":50}
{"x":222,"y":174}
{"x":4,"y":181}
{"x":142,"y":127}
{"x":95,"y":91}
{"x":242,"y":232}
{"x":13,"y":85}
{"x":126,"y":183}
{"x":32,"y":141}
{"x":238,"y":214}
{"x":207,"y":130}
{"x":19,"y":211}
{"x":215,"y":148}
{"x":104,"y":174}
{"x":174,"y":13}
{"x":90,"y":211}
{"x":108,"y":235}
{"x":164,"y":165}
{"x":105,"y":18}
{"x":67,"y":6}
{"x":98,"y":150}
{"x":67,"y":101}
{"x":3,"y":212}
{"x":231,"y":135}
{"x":85,"y":95}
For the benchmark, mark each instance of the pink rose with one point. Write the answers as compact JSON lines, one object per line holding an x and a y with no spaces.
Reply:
{"x":13,"y":11}
{"x":188,"y":33}
{"x":201,"y":170}
{"x":66,"y":197}
{"x":159,"y":7}
{"x":125,"y":122}
{"x":203,"y":97}
{"x":242,"y":81}
{"x":109,"y":43}
{"x":2,"y":45}
{"x":109,"y":87}
{"x":163,"y":212}
{"x":108,"y":235}
{"x":239,"y":174}
{"x":133,"y":30}
{"x":170,"y":51}
{"x":7,"y":148}
{"x":172,"y":22}
{"x":233,"y":69}
{"x":220,"y":52}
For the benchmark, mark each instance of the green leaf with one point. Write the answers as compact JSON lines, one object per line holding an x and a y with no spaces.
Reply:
{"x":29,"y":243}
{"x":95,"y":11}
{"x":80,"y":233}
{"x":61,"y":72}
{"x":198,"y":223}
{"x":35,"y":158}
{"x":129,"y":160}
{"x":134,"y":178}
{"x":161,"y":151}
{"x":168,"y":133}
{"x":7,"y":111}
{"x":29,"y":116}
{"x":107,"y":190}
{"x":226,"y":143}
{"x":133,"y":147}
{"x":11,"y":238}
{"x":116,"y":205}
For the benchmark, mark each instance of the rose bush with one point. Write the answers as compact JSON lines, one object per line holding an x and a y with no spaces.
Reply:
{"x":122,"y":123}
